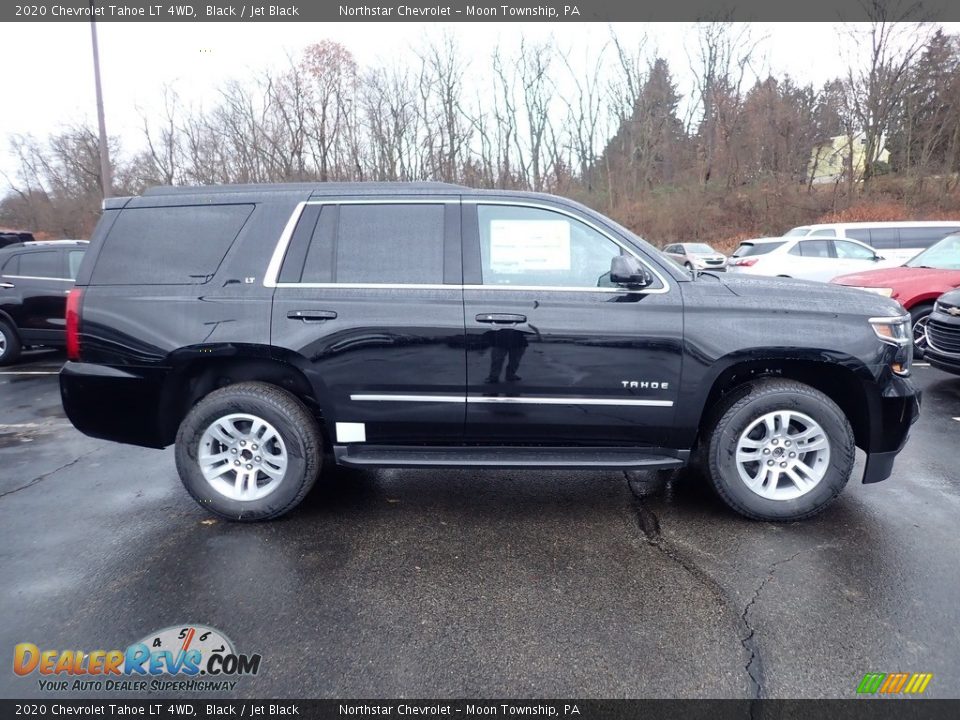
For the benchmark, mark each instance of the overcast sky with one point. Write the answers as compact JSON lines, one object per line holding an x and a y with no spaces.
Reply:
{"x":47,"y":80}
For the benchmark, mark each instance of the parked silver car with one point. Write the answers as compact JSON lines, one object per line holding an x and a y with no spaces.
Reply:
{"x":696,"y":256}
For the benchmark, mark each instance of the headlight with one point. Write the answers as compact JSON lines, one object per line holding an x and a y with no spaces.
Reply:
{"x":896,"y":331}
{"x":884,"y":292}
{"x":892,"y":330}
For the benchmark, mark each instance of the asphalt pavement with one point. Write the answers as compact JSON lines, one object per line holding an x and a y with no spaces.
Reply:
{"x":483,"y":584}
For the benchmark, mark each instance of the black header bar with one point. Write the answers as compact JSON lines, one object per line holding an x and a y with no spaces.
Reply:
{"x":421,"y":11}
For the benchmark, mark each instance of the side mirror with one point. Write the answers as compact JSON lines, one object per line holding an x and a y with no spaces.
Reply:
{"x":877,"y":258}
{"x":626,"y":270}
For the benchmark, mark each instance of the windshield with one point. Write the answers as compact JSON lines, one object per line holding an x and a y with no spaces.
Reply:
{"x":797,"y":232}
{"x":746,"y":249}
{"x":945,"y":255}
{"x":699,"y":248}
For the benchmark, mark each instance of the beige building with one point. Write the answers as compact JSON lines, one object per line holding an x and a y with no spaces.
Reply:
{"x":829,"y":160}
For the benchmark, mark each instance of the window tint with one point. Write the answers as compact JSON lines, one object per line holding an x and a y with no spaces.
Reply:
{"x":12,"y":266}
{"x":884,"y":238}
{"x":826,"y":232}
{"x":400,"y":243}
{"x":922,"y":237}
{"x":319,"y":262}
{"x":759,"y":249}
{"x":168,"y":245}
{"x":852,"y":251}
{"x":41,"y":264}
{"x":74,"y":258}
{"x":815,"y":248}
{"x":529,"y":246}
{"x":860,"y":234}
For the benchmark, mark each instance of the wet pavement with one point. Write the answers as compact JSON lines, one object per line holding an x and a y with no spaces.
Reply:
{"x":484,"y":584}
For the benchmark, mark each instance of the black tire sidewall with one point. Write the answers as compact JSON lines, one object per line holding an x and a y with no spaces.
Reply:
{"x":188,"y":442}
{"x":723,"y":446}
{"x":12,"y":351}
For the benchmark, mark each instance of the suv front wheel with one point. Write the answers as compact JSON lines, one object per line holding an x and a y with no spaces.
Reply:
{"x":249,"y":451}
{"x":780,"y":450}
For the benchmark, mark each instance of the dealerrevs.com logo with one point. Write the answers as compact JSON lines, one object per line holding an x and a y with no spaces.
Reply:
{"x":180,"y":657}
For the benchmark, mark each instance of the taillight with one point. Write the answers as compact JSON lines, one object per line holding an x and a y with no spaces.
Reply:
{"x":747,"y":262}
{"x":73,"y":323}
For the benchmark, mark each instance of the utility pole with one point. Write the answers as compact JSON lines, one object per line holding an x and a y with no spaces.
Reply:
{"x":106,"y":177}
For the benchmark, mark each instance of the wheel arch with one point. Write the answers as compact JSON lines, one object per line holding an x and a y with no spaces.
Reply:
{"x":199,"y":370}
{"x":840,"y":382}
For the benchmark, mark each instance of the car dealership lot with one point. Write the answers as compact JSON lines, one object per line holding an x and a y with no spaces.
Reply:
{"x":495,"y":584}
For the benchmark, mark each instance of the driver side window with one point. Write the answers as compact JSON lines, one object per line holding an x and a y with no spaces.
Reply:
{"x":526,"y":246}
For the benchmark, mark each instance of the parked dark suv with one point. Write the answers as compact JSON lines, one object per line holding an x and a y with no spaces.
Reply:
{"x":433,"y":325}
{"x":35,"y":278}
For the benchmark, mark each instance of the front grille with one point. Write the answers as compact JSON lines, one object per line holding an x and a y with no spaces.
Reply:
{"x":943,"y":337}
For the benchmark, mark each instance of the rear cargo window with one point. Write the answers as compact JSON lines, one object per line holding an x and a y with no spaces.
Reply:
{"x":168,"y":245}
{"x":760,"y":249}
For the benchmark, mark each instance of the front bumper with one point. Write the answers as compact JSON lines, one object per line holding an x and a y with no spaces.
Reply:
{"x":894,"y":413}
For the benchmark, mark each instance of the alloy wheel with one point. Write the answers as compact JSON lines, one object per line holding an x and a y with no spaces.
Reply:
{"x":242,"y":456}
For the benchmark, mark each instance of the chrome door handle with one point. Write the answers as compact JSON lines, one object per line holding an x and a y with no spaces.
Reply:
{"x":311,"y":315}
{"x":501,"y":318}
{"x":6,"y":285}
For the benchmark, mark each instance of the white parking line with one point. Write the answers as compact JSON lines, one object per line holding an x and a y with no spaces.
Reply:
{"x":916,"y":364}
{"x":30,"y":372}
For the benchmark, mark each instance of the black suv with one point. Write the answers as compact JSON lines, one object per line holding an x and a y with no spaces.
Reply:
{"x":432,"y":325}
{"x":35,"y":278}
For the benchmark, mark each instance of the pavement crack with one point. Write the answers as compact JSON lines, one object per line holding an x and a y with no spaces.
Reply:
{"x":39,"y":478}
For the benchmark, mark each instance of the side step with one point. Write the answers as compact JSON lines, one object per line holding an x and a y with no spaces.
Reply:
{"x":399,"y":456}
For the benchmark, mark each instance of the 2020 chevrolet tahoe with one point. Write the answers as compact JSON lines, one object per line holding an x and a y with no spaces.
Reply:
{"x":264,"y":328}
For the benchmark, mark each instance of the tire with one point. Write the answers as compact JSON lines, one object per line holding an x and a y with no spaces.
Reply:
{"x":688,"y":266}
{"x":10,"y":346}
{"x":221,"y":431}
{"x":743,"y":422}
{"x":918,"y":320}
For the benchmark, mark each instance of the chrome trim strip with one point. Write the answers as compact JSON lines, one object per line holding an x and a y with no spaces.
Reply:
{"x":481,"y":399}
{"x":38,"y":277}
{"x":409,"y":398}
{"x":276,"y":260}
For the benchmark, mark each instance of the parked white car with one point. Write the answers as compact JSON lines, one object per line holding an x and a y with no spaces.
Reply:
{"x":807,"y":258}
{"x":894,"y":240}
{"x":696,"y":256}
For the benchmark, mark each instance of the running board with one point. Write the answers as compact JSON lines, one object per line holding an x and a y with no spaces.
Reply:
{"x":566,"y":458}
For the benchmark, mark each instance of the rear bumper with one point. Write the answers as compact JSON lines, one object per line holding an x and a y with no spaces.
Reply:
{"x":898,"y":408}
{"x":113,"y":404}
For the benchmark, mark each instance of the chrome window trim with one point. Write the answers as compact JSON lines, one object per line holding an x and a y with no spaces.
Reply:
{"x":483,"y":399}
{"x":38,"y":277}
{"x":283,"y":242}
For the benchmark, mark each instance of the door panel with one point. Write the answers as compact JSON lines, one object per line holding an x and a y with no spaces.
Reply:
{"x":577,"y":361}
{"x":375,"y":317}
{"x":37,"y":302}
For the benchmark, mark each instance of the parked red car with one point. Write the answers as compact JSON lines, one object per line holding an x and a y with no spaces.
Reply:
{"x":917,"y":284}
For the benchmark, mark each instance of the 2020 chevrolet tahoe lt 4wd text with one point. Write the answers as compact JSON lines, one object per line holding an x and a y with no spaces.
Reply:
{"x":263,"y":328}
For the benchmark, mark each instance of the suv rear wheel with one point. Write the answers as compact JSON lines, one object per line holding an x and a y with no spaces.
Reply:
{"x":249,"y":451}
{"x":9,"y":344}
{"x":780,"y":450}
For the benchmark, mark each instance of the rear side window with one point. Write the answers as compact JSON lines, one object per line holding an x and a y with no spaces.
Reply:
{"x":760,"y":249}
{"x":923,"y":237}
{"x":74,"y":258}
{"x":11,"y":266}
{"x":884,"y":238}
{"x":815,"y":248}
{"x":860,"y":234}
{"x":168,"y":245}
{"x":41,"y":265}
{"x":390,"y":244}
{"x":367,"y":243}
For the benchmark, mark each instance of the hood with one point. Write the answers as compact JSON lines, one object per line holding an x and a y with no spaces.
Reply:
{"x":809,"y":296}
{"x":890,"y":277}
